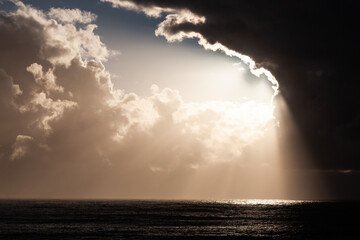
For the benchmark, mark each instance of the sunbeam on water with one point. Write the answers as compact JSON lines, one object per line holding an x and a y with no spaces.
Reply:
{"x":265,"y":202}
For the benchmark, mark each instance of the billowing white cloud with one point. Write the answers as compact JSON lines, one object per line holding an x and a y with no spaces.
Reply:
{"x":46,"y":80}
{"x":63,"y":79}
{"x":58,"y":105}
{"x":71,"y":15}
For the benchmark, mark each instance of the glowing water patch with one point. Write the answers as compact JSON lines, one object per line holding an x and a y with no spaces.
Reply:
{"x":265,"y":202}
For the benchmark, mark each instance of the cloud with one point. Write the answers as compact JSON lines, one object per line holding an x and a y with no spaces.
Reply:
{"x":297,"y":43}
{"x":71,"y":15}
{"x":63,"y":79}
{"x":20,"y":147}
{"x":60,"y":112}
{"x":180,"y":23}
{"x":47,"y":80}
{"x":151,"y":11}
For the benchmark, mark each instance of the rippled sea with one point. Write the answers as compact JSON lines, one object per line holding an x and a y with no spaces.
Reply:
{"x":133,"y":219}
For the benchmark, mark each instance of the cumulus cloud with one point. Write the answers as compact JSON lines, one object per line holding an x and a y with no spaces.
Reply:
{"x":58,"y":105}
{"x":46,"y":79}
{"x":63,"y":78}
{"x":71,"y":15}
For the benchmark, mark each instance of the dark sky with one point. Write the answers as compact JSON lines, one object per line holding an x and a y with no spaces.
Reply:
{"x":312,"y":48}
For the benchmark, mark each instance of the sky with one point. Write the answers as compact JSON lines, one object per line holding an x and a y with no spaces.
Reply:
{"x":178,"y":99}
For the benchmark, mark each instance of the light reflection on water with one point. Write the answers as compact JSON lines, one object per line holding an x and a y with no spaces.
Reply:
{"x":264,"y":201}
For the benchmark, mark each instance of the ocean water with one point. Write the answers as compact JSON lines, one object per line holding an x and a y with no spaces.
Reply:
{"x":134,"y":219}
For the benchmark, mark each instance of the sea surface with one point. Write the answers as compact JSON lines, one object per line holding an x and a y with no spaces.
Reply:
{"x":134,"y":219}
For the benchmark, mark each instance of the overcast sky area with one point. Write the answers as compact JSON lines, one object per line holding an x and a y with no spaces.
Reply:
{"x":179,"y":99}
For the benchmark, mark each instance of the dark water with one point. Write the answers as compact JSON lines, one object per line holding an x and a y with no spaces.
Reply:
{"x":57,"y":219}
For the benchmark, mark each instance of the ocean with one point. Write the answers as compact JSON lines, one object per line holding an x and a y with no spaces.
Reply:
{"x":148,"y":219}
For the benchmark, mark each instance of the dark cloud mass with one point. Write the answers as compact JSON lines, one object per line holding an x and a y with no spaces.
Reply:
{"x":311,"y":47}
